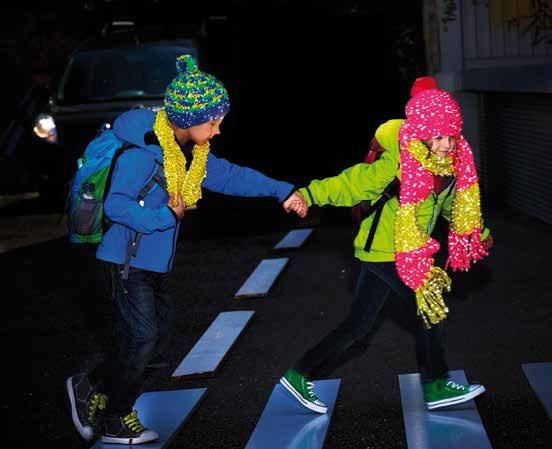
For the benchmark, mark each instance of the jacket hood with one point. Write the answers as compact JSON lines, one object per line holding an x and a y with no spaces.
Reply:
{"x":387,"y":135}
{"x":133,"y":125}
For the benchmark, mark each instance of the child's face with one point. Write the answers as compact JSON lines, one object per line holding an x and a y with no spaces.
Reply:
{"x":200,"y":134}
{"x":204,"y":132}
{"x":441,"y":145}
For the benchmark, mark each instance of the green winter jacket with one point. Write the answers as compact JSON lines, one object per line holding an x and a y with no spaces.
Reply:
{"x":367,"y":182}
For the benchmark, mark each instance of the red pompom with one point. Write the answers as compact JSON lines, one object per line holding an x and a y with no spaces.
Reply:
{"x":421,"y":84}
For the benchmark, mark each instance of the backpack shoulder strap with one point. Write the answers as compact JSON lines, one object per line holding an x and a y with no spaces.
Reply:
{"x":132,"y":246}
{"x":125,"y":146}
{"x":390,"y":191}
{"x":157,"y":178}
{"x":374,"y":152}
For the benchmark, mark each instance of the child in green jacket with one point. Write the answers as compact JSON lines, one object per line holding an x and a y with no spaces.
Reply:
{"x":434,"y":167}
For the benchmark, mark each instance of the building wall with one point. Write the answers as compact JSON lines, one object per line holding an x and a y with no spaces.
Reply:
{"x":493,"y":34}
{"x":500,"y":72}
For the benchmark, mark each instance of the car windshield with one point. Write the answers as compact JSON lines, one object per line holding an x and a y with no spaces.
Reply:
{"x":119,"y":74}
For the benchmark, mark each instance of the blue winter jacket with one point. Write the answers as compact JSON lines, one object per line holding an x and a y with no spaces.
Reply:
{"x":153,"y":218}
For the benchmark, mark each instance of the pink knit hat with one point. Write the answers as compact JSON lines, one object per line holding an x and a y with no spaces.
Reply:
{"x":431,"y":113}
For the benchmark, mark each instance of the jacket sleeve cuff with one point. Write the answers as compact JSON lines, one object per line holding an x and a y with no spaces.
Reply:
{"x":485,"y":232}
{"x":291,"y":192}
{"x":283,"y":190}
{"x":305,"y":191}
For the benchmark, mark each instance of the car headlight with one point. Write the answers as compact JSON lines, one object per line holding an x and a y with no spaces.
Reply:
{"x":45,"y":128}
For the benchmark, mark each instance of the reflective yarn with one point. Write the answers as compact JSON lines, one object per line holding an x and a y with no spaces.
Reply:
{"x":431,"y":113}
{"x":186,"y":183}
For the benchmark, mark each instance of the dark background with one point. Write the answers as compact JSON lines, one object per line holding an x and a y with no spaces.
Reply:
{"x":309,"y":82}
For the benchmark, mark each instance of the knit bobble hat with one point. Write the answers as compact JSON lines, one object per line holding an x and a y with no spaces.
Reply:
{"x":421,"y":84}
{"x":432,"y":112}
{"x":194,"y":97}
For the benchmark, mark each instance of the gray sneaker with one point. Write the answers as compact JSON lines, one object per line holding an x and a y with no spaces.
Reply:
{"x":86,"y":403}
{"x":125,"y":430}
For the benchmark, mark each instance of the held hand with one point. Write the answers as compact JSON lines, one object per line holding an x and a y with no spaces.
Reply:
{"x":296,"y":203}
{"x":179,"y":208}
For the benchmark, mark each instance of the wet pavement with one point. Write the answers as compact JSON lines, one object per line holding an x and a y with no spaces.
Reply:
{"x":501,"y":317}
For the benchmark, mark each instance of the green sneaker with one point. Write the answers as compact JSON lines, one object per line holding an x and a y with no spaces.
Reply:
{"x":301,"y":389}
{"x":444,"y":392}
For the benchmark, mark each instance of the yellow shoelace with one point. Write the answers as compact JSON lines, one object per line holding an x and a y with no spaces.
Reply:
{"x":132,"y":422}
{"x":98,"y":401}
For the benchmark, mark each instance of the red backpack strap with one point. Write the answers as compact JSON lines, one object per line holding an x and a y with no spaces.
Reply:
{"x":374,"y":151}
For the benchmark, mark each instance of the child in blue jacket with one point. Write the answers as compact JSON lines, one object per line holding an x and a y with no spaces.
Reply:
{"x":138,"y":248}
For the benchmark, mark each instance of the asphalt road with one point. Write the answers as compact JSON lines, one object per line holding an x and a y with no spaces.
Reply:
{"x":501,"y":316}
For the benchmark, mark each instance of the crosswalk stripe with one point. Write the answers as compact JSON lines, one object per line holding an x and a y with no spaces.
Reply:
{"x":213,"y":346}
{"x":539,"y":376}
{"x":455,"y":427}
{"x":285,"y":423}
{"x":261,"y":280}
{"x":163,"y":411}
{"x":294,"y":239}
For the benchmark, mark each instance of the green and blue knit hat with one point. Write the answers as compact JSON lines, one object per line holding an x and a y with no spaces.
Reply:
{"x":194,"y":97}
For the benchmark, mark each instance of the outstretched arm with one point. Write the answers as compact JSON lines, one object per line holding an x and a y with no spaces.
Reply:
{"x":232,"y":179}
{"x":353,"y":185}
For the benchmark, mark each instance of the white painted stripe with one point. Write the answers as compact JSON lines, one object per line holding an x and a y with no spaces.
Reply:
{"x":286,"y":424}
{"x":294,"y":239}
{"x":214,"y":344}
{"x":455,"y":427}
{"x":164,"y":412}
{"x":261,"y":280}
{"x":539,"y":376}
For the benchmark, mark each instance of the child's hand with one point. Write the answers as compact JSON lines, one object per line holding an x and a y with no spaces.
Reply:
{"x":179,"y":208}
{"x":488,"y":242}
{"x":296,"y":203}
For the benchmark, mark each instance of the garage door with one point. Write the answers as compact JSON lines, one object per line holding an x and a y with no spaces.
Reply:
{"x":516,"y":159}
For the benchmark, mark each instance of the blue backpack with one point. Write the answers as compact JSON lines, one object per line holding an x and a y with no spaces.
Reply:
{"x":90,"y":184}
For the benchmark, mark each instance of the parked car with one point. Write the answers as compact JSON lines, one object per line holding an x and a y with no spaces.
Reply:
{"x":122,"y":69}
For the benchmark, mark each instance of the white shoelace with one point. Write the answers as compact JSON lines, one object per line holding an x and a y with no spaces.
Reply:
{"x":309,"y":389}
{"x":456,"y":386}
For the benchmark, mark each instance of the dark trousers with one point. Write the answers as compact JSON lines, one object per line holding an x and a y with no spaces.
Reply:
{"x":350,"y":338}
{"x":142,"y":324}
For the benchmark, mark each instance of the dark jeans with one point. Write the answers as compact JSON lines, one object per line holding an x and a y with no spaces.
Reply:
{"x":142,"y":324}
{"x":350,"y":339}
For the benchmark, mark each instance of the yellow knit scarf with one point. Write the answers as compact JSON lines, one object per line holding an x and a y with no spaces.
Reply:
{"x":186,"y":183}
